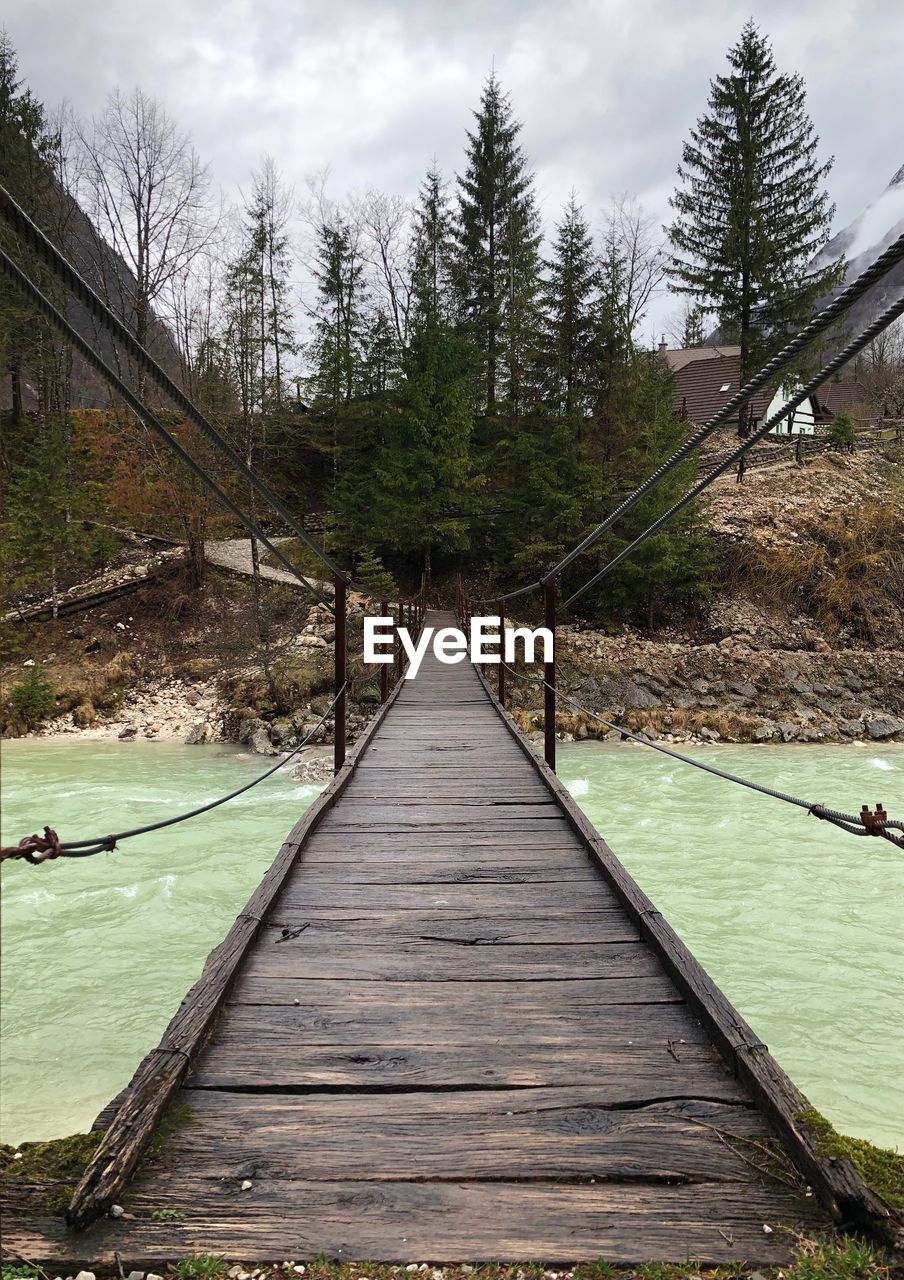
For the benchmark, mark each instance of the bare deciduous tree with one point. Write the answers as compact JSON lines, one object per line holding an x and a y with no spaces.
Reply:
{"x":148,"y":196}
{"x":881,"y":370}
{"x":387,"y":227}
{"x":632,"y":237}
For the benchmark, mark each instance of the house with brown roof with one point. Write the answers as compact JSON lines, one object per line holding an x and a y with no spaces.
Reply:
{"x":706,"y":378}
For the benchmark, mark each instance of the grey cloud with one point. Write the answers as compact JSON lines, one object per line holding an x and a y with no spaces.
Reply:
{"x":606,"y":89}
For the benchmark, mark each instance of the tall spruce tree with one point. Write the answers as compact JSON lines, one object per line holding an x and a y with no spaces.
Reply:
{"x":426,"y":482}
{"x":499,"y":242}
{"x":564,"y":355}
{"x":752,"y":209}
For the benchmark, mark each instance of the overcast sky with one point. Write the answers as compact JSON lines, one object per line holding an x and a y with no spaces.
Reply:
{"x":606,"y":89}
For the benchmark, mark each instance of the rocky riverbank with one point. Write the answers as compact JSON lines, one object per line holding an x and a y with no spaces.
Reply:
{"x":728,"y":690}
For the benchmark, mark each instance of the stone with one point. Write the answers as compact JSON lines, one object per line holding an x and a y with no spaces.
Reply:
{"x":254,"y":734}
{"x":788,"y":730}
{"x":743,"y":688}
{"x":116,"y":1211}
{"x":128,"y":731}
{"x":313,"y":768}
{"x":711,"y":735}
{"x":884,"y":727}
{"x":764,"y":733}
{"x":135,"y":1275}
{"x":247,"y":1185}
{"x":198,"y":734}
{"x":638,"y":697}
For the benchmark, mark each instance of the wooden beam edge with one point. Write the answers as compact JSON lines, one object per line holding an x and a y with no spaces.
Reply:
{"x":142,"y":1103}
{"x":835,"y":1180}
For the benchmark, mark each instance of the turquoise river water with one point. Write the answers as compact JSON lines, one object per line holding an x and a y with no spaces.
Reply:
{"x":799,"y":923}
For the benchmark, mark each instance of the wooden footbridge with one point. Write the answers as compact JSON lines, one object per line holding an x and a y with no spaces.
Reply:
{"x":449,"y":1026}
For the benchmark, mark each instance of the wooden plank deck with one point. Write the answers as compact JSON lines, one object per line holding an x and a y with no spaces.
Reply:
{"x":450,"y":1041}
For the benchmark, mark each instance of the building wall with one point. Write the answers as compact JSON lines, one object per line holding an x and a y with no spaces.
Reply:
{"x":804,"y":418}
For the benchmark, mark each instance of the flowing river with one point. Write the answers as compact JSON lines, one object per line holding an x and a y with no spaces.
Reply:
{"x":798,"y":922}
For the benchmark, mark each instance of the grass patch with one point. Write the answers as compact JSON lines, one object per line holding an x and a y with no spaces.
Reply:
{"x":300,"y":555}
{"x":827,"y":1258}
{"x":199,"y":1266}
{"x":882,"y":1170}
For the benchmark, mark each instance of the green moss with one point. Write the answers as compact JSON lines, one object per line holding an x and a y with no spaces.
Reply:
{"x":53,"y":1167}
{"x":62,"y":1160}
{"x":168,"y":1215}
{"x":177,"y":1116}
{"x":11,"y":1272}
{"x":880,"y":1169}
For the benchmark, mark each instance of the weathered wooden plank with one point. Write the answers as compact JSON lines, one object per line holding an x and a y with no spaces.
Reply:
{"x":561,"y":1134}
{"x":367,"y":871}
{"x":530,"y":898}
{"x":629,"y":1223}
{"x":389,"y":928}
{"x":630,"y":1075}
{"x":303,"y":958}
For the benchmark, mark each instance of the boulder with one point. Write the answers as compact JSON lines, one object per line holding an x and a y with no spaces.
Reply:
{"x":638,"y":697}
{"x":128,"y":731}
{"x":788,"y":730}
{"x":850,"y":728}
{"x":198,"y":734}
{"x":884,"y":727}
{"x":313,"y":768}
{"x":259,"y":741}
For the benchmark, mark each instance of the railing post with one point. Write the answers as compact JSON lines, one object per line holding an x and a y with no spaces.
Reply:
{"x":384,"y":666}
{"x":398,"y":658}
{"x":502,"y":653}
{"x":549,"y":675}
{"x":341,"y":675}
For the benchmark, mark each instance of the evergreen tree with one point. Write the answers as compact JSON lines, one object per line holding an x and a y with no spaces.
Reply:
{"x":433,"y":264}
{"x":498,"y":249}
{"x":564,"y":356}
{"x":752,"y":210}
{"x":672,"y":572}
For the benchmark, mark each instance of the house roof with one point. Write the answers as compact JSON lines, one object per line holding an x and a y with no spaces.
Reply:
{"x":704,"y":383}
{"x":837,"y":396}
{"x":684,"y":356}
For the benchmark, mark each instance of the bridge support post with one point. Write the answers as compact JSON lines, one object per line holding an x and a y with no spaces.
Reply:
{"x":549,"y":675}
{"x":384,"y":666}
{"x":340,"y":677}
{"x":400,"y":622}
{"x":501,"y":653}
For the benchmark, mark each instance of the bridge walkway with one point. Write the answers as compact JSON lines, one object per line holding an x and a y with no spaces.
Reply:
{"x":450,"y":1040}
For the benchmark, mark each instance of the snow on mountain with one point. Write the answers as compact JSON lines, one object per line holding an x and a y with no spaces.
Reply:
{"x":860,"y":244}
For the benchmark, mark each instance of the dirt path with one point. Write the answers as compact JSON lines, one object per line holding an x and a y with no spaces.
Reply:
{"x":234,"y":554}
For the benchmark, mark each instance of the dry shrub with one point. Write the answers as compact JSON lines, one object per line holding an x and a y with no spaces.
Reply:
{"x":847,"y":570}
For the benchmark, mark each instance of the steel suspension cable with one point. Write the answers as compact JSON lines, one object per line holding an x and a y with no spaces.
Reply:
{"x":866,"y":336}
{"x":48,"y":253}
{"x":856,"y":825}
{"x":34,"y":295}
{"x":842,"y":303}
{"x":37,"y":849}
